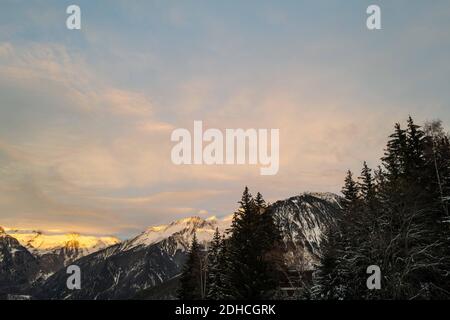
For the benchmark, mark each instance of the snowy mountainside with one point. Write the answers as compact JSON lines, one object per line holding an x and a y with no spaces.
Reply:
{"x":302,"y":220}
{"x":183,"y":230}
{"x":18,"y":267}
{"x":55,"y":251}
{"x":124,"y":269}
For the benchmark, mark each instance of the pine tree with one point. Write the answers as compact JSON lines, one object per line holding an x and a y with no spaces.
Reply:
{"x":253,"y":235}
{"x":370,"y":232}
{"x":191,"y":277}
{"x":225,"y":264}
{"x":413,"y":237}
{"x":215,"y":268}
{"x":271,"y":248}
{"x":260,"y":202}
{"x":436,"y":180}
{"x":366,"y":185}
{"x":328,"y":282}
{"x":398,"y":222}
{"x":350,"y":192}
{"x":437,"y":157}
{"x":415,"y":162}
{"x":394,"y":157}
{"x":336,"y":272}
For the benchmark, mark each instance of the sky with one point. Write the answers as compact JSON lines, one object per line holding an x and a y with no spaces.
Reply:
{"x":86,"y":115}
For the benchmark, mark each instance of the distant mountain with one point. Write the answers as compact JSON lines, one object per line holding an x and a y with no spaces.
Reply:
{"x":179,"y":233}
{"x":302,"y":220}
{"x":122,"y":270}
{"x":18,"y":267}
{"x":55,"y":251}
{"x":151,"y":262}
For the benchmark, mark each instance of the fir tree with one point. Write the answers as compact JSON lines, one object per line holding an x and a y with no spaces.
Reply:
{"x":336,"y":272}
{"x":260,"y":202}
{"x":397,"y":223}
{"x":394,"y":156}
{"x":414,"y":161}
{"x":253,"y":235}
{"x":350,"y":192}
{"x":328,"y":283}
{"x":191,"y":285}
{"x":366,"y":185}
{"x":215,"y":268}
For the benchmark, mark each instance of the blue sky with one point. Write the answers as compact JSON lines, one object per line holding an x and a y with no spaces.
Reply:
{"x":86,"y":116}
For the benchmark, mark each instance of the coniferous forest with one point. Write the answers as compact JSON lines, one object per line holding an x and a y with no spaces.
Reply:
{"x":394,"y":217}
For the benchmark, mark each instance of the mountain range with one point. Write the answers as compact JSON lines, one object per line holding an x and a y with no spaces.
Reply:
{"x":55,"y":251}
{"x":148,"y":265}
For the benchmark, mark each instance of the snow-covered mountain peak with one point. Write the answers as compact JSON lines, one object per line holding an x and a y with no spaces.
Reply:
{"x":185,"y":228}
{"x":327,"y":196}
{"x":180,"y":232}
{"x":39,"y":242}
{"x":53,"y":251}
{"x":190,"y":222}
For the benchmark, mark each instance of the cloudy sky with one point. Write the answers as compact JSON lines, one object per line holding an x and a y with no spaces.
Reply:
{"x":86,"y":116}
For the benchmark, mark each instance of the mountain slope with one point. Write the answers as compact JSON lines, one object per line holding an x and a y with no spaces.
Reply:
{"x":302,"y":221}
{"x":55,"y":251}
{"x":18,"y":267}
